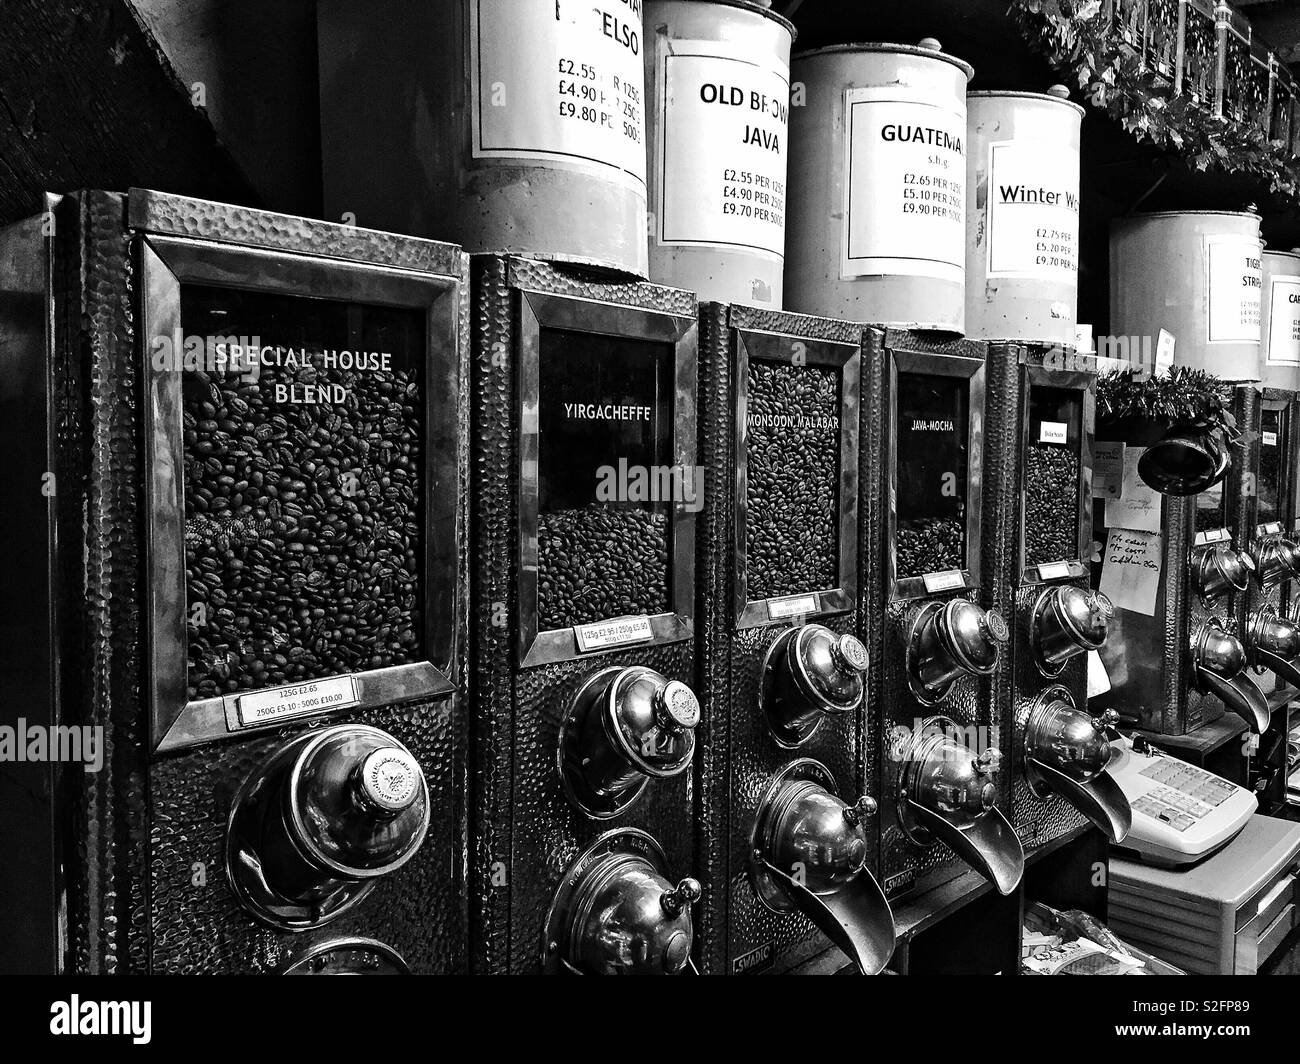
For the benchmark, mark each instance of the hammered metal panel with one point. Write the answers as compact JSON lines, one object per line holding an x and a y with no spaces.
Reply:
{"x":146,"y":890}
{"x":740,"y":756}
{"x":905,"y":866}
{"x":755,"y":760}
{"x":714,"y":589}
{"x":524,"y":830}
{"x":582,"y":283}
{"x":198,"y":927}
{"x":492,"y":590}
{"x":549,"y":832}
{"x":1038,"y":820}
{"x":159,"y":212}
{"x":100,"y":487}
{"x":1240,"y":502}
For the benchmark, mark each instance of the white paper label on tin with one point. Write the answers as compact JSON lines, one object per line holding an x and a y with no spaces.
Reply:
{"x":721,"y":161}
{"x":1235,"y":288}
{"x":948,"y":581}
{"x":622,"y":631}
{"x":793,"y":606}
{"x":1053,"y":432}
{"x":279,"y":703}
{"x":1268,"y":439}
{"x":905,"y":213}
{"x":561,"y":80}
{"x":1165,"y":345}
{"x":1284,"y":322}
{"x":1033,"y":211}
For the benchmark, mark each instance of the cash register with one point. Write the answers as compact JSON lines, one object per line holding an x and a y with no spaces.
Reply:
{"x":1201,"y":881}
{"x":1181,"y":813}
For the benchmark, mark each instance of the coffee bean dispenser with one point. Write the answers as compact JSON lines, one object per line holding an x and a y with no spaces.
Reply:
{"x":585,"y":502}
{"x":786,"y":770}
{"x":942,"y":790}
{"x":1274,"y":548}
{"x":1040,"y":431}
{"x":248,"y":434}
{"x":1197,"y":615}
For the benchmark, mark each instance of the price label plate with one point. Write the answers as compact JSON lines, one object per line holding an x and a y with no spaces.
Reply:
{"x":282,"y":703}
{"x":949,"y":581}
{"x":1054,"y":571}
{"x":620,"y":632}
{"x":791,"y":606}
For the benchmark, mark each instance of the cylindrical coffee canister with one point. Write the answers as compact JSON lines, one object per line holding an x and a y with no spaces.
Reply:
{"x":1192,"y":280}
{"x":538,"y":116}
{"x":718,"y":86}
{"x":1281,"y":320}
{"x":877,"y":218}
{"x":1022,"y":216}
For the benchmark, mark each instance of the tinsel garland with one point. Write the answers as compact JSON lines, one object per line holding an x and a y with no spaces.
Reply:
{"x":1183,"y":396}
{"x":1076,"y":39}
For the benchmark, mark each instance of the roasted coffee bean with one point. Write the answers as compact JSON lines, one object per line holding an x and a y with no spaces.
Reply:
{"x":931,"y":545}
{"x":599,"y":562}
{"x":257,"y":512}
{"x":793,"y":458}
{"x":1051,"y":504}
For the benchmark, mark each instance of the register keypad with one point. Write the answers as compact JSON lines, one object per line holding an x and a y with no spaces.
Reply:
{"x":1184,"y":793}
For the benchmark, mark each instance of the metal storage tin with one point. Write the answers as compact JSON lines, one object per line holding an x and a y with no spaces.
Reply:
{"x":876,"y":232}
{"x":1022,"y":216}
{"x":718,"y":86}
{"x":510,"y":126}
{"x":1280,"y":335}
{"x":1196,"y":275}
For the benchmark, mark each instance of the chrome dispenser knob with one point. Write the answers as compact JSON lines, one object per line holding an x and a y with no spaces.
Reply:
{"x":861,"y":809}
{"x":809,"y":674}
{"x":681,"y":897}
{"x":616,"y":912}
{"x":624,"y":728}
{"x":313,"y":829}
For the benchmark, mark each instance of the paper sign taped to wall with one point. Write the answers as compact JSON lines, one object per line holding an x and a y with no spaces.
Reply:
{"x":1130,"y":571}
{"x":1138,"y":507}
{"x":1107,"y":469}
{"x":1098,"y":679}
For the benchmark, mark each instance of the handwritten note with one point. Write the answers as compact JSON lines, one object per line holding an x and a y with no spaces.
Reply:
{"x":1107,"y":469}
{"x":1138,"y":507}
{"x":1130,"y":572}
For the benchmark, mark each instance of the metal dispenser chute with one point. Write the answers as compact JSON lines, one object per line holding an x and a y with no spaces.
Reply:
{"x":1218,"y":667}
{"x":810,"y":854}
{"x":1273,"y":642}
{"x":616,"y":912}
{"x":1067,"y":751}
{"x":947,"y":794}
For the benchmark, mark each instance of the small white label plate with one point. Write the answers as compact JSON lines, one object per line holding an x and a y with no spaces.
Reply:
{"x":620,"y":632}
{"x":299,"y":700}
{"x":1053,"y":432}
{"x":791,"y":606}
{"x":1054,"y":571}
{"x":949,"y":581}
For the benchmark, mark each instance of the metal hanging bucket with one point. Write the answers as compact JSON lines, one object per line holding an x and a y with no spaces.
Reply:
{"x":718,"y":86}
{"x":506,"y":126}
{"x":1280,"y":334}
{"x":877,"y":220}
{"x":1197,"y":276}
{"x":1022,"y":216}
